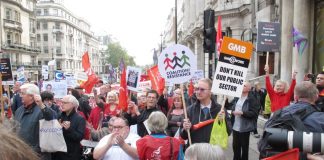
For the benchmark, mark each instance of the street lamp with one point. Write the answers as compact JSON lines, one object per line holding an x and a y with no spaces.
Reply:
{"x":161,"y":41}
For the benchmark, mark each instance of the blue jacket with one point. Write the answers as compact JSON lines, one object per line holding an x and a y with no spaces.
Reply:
{"x":314,"y":122}
{"x":17,"y":102}
{"x":29,"y":123}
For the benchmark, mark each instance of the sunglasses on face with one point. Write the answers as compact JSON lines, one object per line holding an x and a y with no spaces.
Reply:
{"x":201,"y":89}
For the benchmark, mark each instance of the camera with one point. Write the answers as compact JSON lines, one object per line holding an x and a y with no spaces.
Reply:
{"x":311,"y":76}
{"x":308,"y":142}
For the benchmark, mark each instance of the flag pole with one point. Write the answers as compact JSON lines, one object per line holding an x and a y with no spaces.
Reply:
{"x":1,"y":95}
{"x":185,"y":112}
{"x":267,"y":58}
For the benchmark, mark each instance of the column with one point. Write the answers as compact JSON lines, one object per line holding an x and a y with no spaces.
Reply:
{"x":302,"y":20}
{"x":286,"y":39}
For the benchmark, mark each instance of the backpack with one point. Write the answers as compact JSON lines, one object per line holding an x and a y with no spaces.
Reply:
{"x":288,"y":121}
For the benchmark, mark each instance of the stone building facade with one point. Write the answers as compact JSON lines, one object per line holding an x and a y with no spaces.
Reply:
{"x":63,"y":36}
{"x":18,"y":35}
{"x":240,"y":19}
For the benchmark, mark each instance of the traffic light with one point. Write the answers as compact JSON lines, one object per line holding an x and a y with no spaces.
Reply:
{"x":209,"y":31}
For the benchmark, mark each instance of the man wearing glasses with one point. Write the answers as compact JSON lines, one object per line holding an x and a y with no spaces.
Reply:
{"x":73,"y":129}
{"x":135,"y":116}
{"x":29,"y":114}
{"x":203,"y":109}
{"x":119,"y":145}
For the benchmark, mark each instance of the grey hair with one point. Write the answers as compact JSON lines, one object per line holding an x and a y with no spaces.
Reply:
{"x":208,"y":81}
{"x":204,"y":151}
{"x":157,"y":122}
{"x":73,"y":100}
{"x":306,"y":90}
{"x":30,"y":88}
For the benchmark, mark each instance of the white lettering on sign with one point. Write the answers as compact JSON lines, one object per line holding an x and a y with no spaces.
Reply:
{"x":236,"y":47}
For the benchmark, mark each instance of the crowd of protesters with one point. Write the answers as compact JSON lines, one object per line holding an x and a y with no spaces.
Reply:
{"x":152,"y":126}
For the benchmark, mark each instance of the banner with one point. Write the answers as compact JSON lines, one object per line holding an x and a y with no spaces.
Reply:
{"x":58,"y":88}
{"x":268,"y":39}
{"x":232,"y":67}
{"x":45,"y":69}
{"x":59,"y":75}
{"x":197,"y":75}
{"x":144,"y":85}
{"x":6,"y":71}
{"x":133,"y":78}
{"x":177,"y":64}
{"x":156,"y":78}
{"x":21,"y":74}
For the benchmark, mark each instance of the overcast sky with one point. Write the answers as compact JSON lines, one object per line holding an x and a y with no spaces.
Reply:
{"x":136,"y":24}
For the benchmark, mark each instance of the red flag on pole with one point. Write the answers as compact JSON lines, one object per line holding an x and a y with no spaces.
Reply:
{"x":191,"y":88}
{"x":92,"y":77}
{"x":219,"y":35}
{"x":122,"y":105}
{"x":157,"y":81}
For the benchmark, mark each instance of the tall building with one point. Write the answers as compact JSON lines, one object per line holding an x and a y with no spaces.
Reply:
{"x":18,"y":35}
{"x":65,"y":37}
{"x":239,"y":21}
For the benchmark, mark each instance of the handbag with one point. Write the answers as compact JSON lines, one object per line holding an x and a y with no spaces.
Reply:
{"x":51,"y":137}
{"x":218,"y":134}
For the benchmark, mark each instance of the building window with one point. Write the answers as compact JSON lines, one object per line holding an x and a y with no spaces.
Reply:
{"x":38,"y":12}
{"x":38,"y":37}
{"x":8,"y":13}
{"x":39,"y":63}
{"x":46,"y":12}
{"x":58,"y":38}
{"x":17,"y":16}
{"x":55,"y":12}
{"x":45,"y":49}
{"x":45,"y":37}
{"x":9,"y":38}
{"x":38,"y":25}
{"x":17,"y":38}
{"x":44,"y":25}
{"x":58,"y":50}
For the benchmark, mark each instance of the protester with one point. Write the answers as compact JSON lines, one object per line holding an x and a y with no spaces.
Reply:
{"x":99,"y":83}
{"x":14,"y":148}
{"x":203,"y":109}
{"x":48,"y":100}
{"x":278,"y":96}
{"x":158,"y":145}
{"x":135,"y":116}
{"x":16,"y":99}
{"x":119,"y":145}
{"x":141,"y":100}
{"x":73,"y":129}
{"x":244,"y":113}
{"x":84,"y":105}
{"x":29,"y":115}
{"x":305,"y":95}
{"x":204,"y":151}
{"x":320,"y":87}
{"x":175,"y":116}
{"x":97,"y":135}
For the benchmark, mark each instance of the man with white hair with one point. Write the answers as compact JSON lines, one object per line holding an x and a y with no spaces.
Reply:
{"x":73,"y":129}
{"x":29,"y":115}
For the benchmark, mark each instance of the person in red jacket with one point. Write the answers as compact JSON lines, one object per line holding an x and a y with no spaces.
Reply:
{"x":158,"y":145}
{"x":278,"y":96}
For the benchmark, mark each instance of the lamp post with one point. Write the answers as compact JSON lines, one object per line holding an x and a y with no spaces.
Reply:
{"x":161,"y":42}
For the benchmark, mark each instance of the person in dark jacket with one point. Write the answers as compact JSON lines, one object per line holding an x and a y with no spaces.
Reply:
{"x":48,"y":100}
{"x":16,"y":99}
{"x":203,"y":109}
{"x":244,"y":112}
{"x":320,"y":87}
{"x":29,"y":115}
{"x":134,"y":116}
{"x":73,"y":129}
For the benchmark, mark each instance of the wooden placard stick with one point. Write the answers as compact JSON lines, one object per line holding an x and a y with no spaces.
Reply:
{"x":185,"y":112}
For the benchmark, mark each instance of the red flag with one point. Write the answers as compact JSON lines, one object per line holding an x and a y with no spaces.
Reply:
{"x":219,"y":35}
{"x":92,"y":77}
{"x":157,"y":81}
{"x":292,"y":154}
{"x":86,"y":61}
{"x":191,"y":88}
{"x":122,"y":105}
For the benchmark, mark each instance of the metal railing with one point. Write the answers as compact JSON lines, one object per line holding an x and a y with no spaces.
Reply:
{"x":20,"y":46}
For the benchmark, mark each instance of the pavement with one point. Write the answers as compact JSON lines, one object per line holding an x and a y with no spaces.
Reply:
{"x":253,"y":148}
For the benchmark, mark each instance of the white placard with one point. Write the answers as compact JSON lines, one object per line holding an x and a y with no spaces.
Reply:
{"x":132,"y":78}
{"x":177,"y":64}
{"x":58,"y":88}
{"x":81,"y":76}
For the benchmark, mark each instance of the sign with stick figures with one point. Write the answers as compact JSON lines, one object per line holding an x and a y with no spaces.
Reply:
{"x":177,"y":64}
